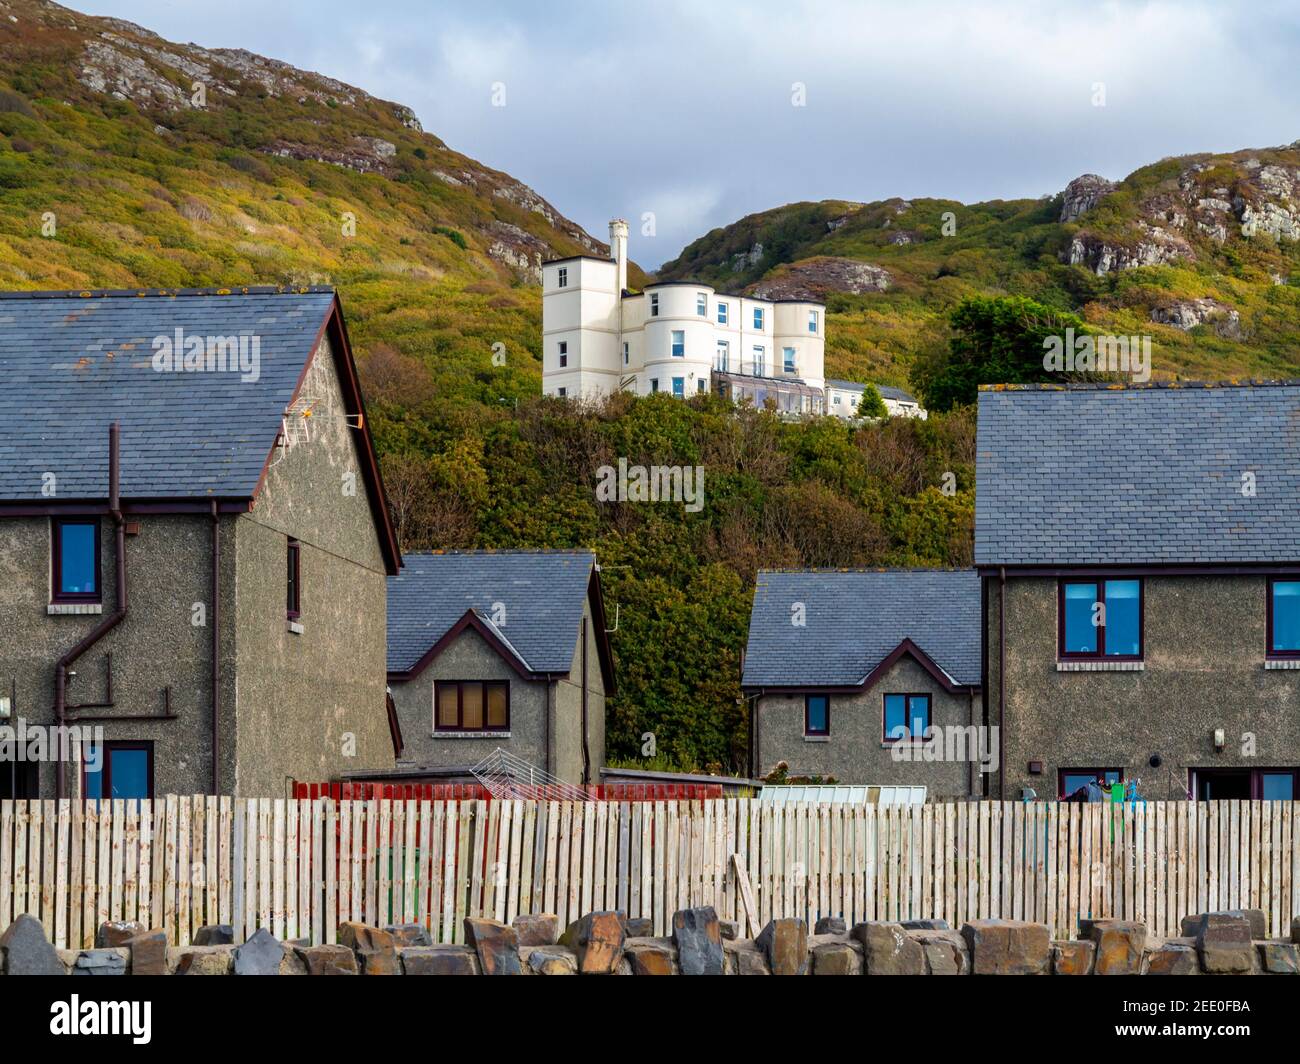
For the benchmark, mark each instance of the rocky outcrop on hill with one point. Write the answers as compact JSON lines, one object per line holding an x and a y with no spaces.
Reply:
{"x":1189,"y":313}
{"x":743,"y":260}
{"x":1210,"y":200}
{"x":1082,"y":194}
{"x":519,"y":250}
{"x":366,"y":155}
{"x":1153,"y":247}
{"x":813,"y":278}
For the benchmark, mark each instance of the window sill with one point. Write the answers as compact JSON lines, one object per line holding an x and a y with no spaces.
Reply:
{"x":1101,"y":666}
{"x":74,"y":609}
{"x":816,"y":738}
{"x":471,"y":735}
{"x":296,"y":627}
{"x":1282,"y":663}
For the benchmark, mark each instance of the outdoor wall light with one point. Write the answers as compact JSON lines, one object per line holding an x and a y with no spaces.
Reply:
{"x":1220,"y":740}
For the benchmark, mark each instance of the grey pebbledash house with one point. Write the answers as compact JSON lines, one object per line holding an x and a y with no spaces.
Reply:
{"x":194,"y":543}
{"x":847,"y":671}
{"x":506,"y":649}
{"x":1139,"y":551}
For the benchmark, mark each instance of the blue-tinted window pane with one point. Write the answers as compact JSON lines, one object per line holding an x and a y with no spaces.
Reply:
{"x":679,"y":387}
{"x":1123,"y":616}
{"x":1278,"y":786}
{"x":1286,"y":615}
{"x":94,"y":780}
{"x":129,"y":773}
{"x":918,"y":713}
{"x":818,"y":714}
{"x":77,"y":560}
{"x":895,"y":716}
{"x":1080,"y":632}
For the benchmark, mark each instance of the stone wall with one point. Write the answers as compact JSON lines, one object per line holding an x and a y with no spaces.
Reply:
{"x":607,"y":943}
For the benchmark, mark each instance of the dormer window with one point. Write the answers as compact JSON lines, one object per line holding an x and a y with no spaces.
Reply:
{"x":75,"y":570}
{"x":562,"y":277}
{"x":654,"y":304}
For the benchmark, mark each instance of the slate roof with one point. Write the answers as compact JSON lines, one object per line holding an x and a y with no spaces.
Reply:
{"x":887,"y":391}
{"x":542,"y":593}
{"x":1138,"y":475}
{"x":72,"y":363}
{"x":855,"y":618}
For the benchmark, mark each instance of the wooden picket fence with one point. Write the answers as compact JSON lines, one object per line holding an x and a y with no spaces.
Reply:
{"x":300,"y":866}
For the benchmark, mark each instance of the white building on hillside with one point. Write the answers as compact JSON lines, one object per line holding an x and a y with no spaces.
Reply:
{"x":843,"y":397}
{"x":676,"y":337}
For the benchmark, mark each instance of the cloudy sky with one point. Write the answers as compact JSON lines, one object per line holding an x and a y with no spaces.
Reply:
{"x":688,"y":108}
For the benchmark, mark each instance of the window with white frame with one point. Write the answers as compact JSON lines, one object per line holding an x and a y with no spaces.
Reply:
{"x":702,"y":304}
{"x":787,"y":356}
{"x":626,"y":355}
{"x":654,"y":304}
{"x":758,"y":318}
{"x":564,"y":353}
{"x":812,"y":321}
{"x":562,"y":277}
{"x":722,"y":313}
{"x":760,"y":360}
{"x":679,"y":343}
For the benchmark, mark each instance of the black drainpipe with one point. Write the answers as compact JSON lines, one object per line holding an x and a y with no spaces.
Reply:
{"x":216,"y":649}
{"x":550,"y":705}
{"x":1002,"y":681}
{"x":586,"y":755}
{"x":106,"y":624}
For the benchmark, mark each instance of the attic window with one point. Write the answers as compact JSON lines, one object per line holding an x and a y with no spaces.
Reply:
{"x":294,"y":582}
{"x":75,"y":557}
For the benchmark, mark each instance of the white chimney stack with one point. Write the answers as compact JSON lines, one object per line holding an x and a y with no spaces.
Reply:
{"x":618,"y":249}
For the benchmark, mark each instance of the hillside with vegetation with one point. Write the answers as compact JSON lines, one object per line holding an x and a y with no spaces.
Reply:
{"x":1199,"y":252}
